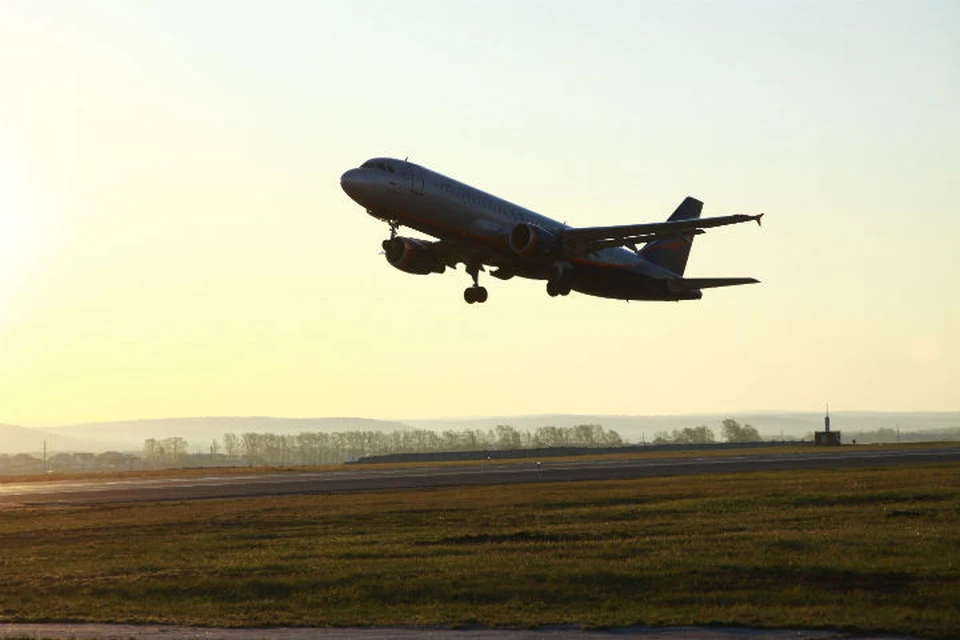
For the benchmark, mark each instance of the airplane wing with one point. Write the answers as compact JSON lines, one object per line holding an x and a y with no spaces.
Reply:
{"x":588,"y":239}
{"x":689,"y":284}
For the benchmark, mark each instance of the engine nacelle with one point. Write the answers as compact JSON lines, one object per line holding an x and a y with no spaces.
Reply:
{"x":531,"y":241}
{"x":413,"y":256}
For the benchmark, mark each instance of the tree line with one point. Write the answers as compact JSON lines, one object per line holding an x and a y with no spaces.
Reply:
{"x":314,"y":448}
{"x":78,"y":462}
{"x":730,"y":429}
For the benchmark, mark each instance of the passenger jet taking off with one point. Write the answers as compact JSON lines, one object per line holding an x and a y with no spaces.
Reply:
{"x":479,"y":229}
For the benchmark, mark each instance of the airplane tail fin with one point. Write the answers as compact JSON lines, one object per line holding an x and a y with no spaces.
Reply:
{"x":672,"y":253}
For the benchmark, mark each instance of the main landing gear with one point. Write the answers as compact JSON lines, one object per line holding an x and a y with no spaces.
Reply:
{"x":555,"y":289}
{"x":559,"y":284}
{"x":476,"y":293}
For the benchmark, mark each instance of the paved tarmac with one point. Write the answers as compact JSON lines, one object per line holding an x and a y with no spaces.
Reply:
{"x":359,"y":478}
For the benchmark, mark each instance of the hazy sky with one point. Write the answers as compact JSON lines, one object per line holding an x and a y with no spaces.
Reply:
{"x":174,"y":240}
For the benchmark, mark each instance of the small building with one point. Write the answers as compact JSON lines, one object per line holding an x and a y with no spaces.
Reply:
{"x":827,"y":437}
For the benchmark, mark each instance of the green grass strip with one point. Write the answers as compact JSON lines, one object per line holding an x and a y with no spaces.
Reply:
{"x":870,"y":550}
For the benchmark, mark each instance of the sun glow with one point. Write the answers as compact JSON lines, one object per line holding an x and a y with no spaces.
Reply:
{"x":14,"y":227}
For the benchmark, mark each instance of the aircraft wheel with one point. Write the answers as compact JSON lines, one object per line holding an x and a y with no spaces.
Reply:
{"x":552,"y":289}
{"x":475,"y":294}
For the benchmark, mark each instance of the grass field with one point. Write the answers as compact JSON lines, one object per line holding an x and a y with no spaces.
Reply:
{"x":874,"y":550}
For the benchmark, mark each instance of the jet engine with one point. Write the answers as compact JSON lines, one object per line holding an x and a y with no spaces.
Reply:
{"x":531,"y":241}
{"x":413,"y":256}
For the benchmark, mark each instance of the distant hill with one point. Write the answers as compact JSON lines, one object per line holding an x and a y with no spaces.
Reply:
{"x":200,"y":431}
{"x":14,"y":439}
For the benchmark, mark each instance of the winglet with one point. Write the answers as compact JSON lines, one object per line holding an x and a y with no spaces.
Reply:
{"x":740,"y":217}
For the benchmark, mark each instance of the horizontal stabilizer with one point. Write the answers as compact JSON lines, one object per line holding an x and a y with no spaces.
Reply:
{"x":689,"y":284}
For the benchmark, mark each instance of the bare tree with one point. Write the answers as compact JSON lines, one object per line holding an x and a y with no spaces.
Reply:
{"x":733,"y":431}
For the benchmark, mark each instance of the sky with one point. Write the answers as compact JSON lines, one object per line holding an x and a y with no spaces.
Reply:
{"x":174,"y":240}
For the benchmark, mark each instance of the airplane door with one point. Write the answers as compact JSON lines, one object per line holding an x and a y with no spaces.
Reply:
{"x":416,"y":179}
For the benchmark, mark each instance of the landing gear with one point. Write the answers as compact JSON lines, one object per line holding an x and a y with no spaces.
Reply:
{"x":392,"y":248}
{"x":555,"y":289}
{"x":476,"y":293}
{"x":559,"y":283}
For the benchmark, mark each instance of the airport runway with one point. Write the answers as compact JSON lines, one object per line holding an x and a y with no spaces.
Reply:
{"x":360,"y":478}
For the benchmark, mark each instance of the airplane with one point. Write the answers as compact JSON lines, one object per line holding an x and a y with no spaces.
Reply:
{"x":478,"y":229}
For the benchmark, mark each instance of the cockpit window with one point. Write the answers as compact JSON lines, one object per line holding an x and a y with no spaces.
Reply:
{"x":378,"y":165}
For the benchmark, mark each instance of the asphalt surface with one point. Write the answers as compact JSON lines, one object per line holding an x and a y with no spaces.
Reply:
{"x":359,"y":478}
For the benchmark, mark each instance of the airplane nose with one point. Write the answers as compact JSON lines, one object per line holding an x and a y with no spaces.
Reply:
{"x":349,"y":180}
